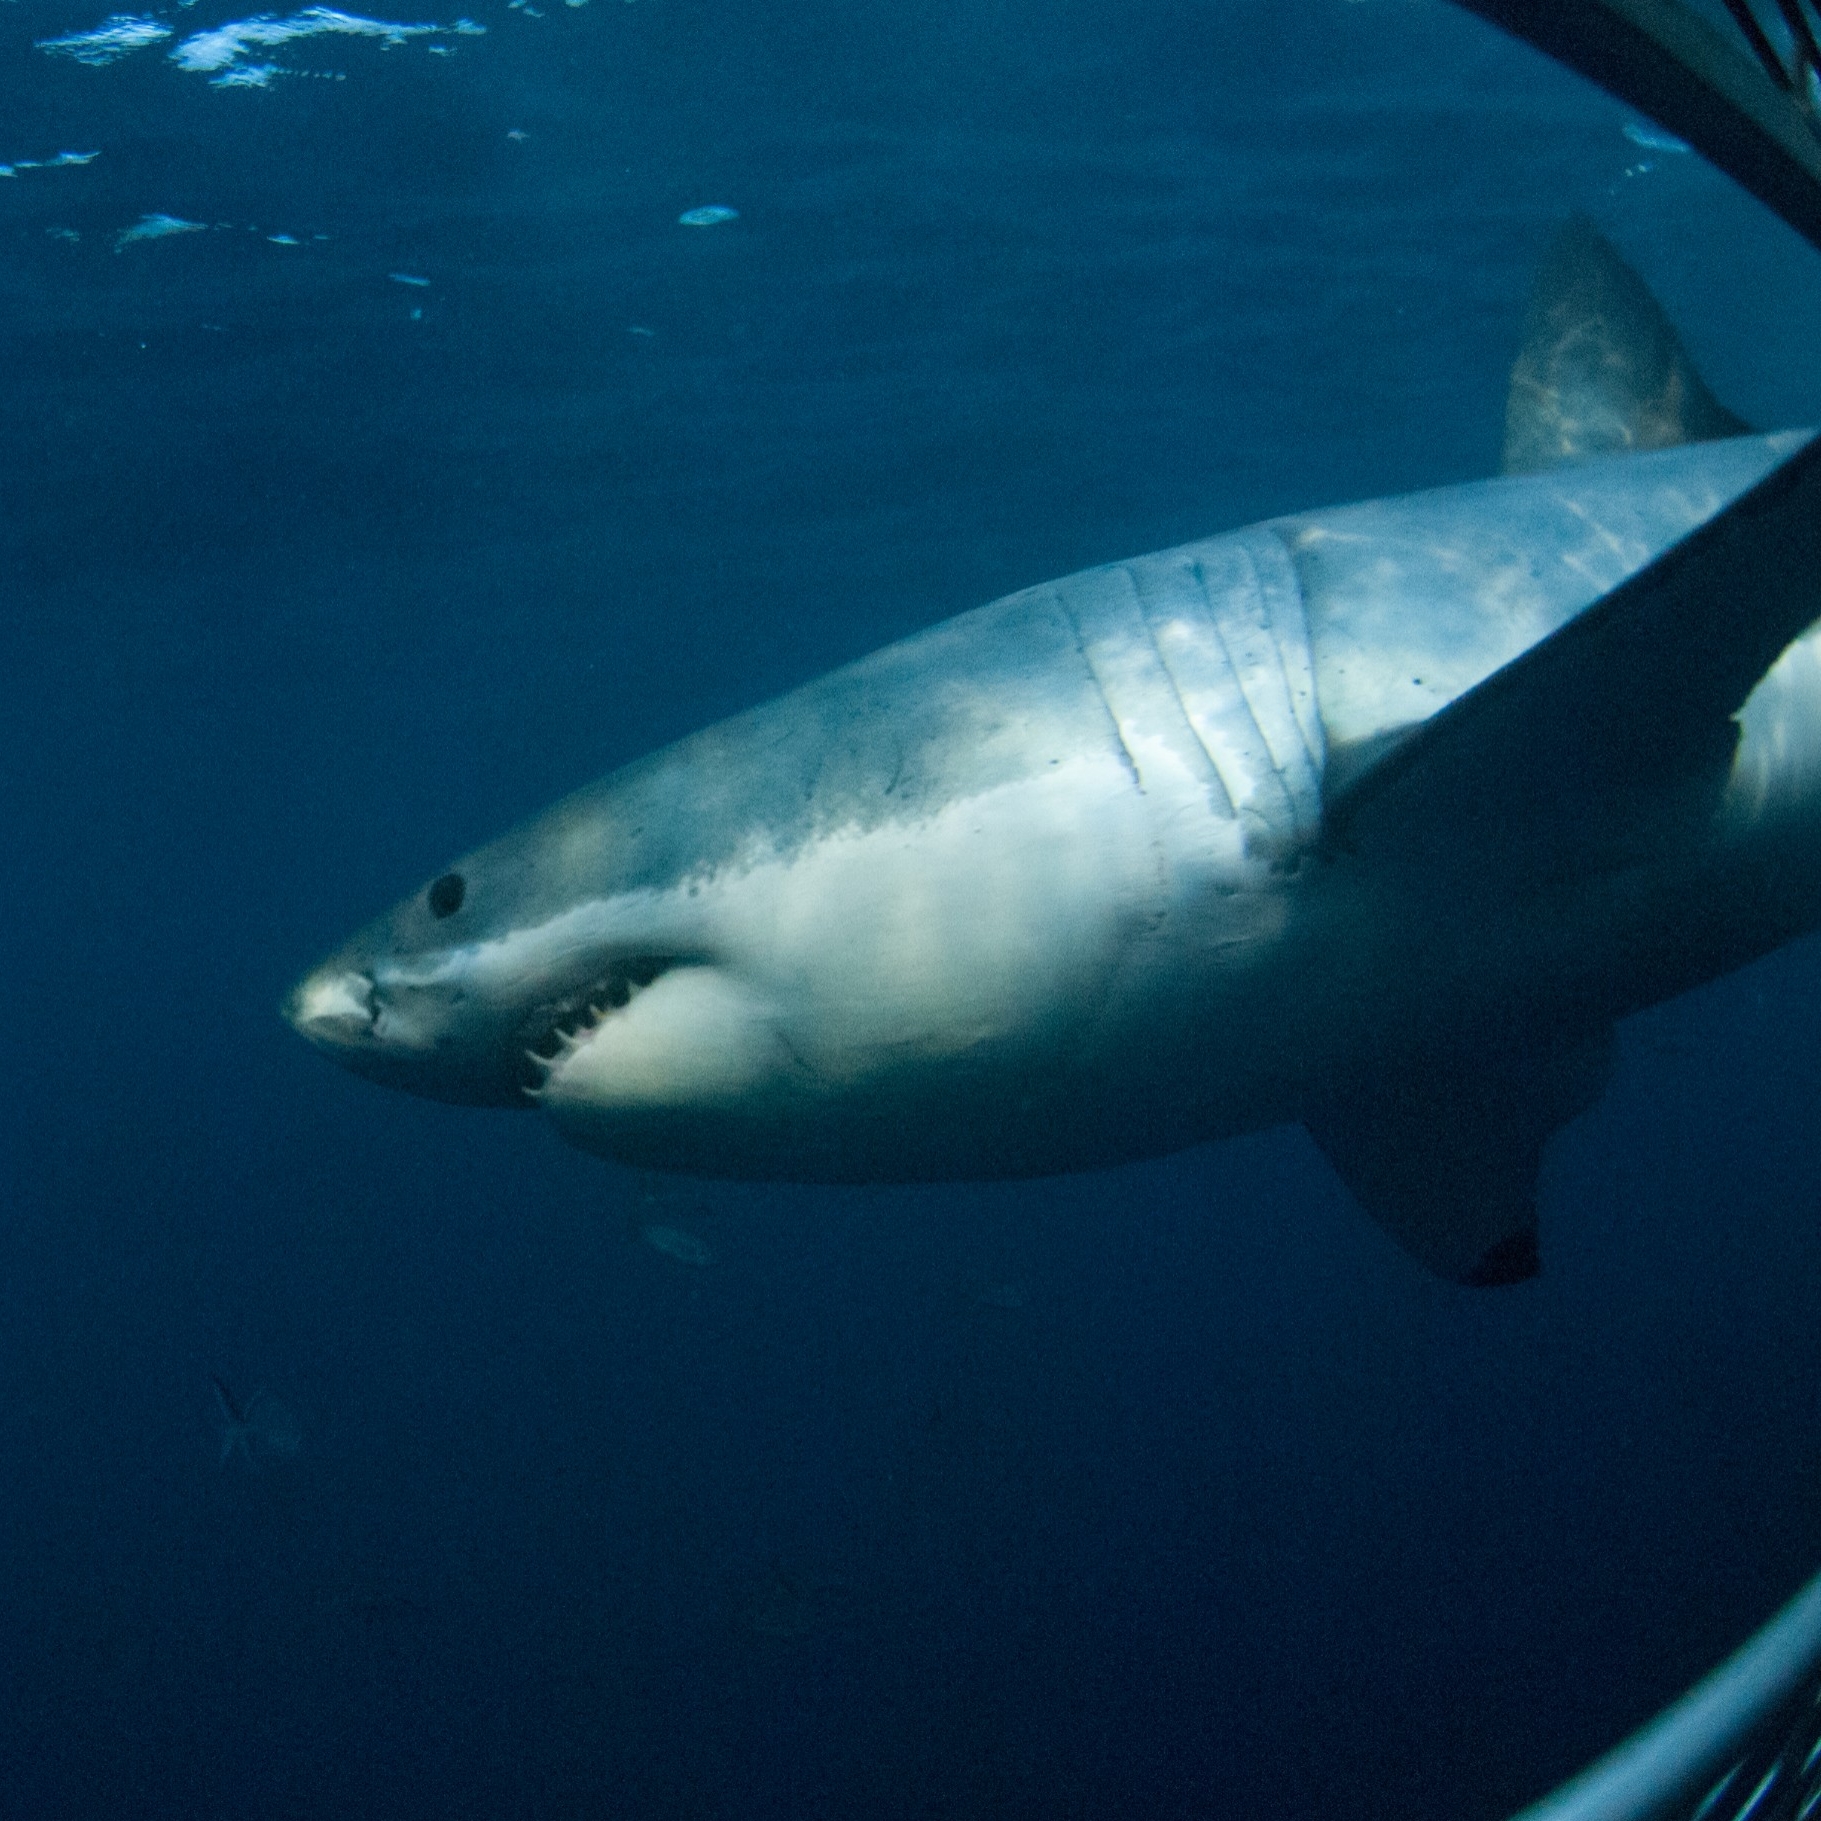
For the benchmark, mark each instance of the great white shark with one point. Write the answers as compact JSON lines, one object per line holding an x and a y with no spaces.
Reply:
{"x":1375,"y":818}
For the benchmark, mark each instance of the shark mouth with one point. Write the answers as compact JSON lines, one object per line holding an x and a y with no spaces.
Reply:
{"x":579,"y":1016}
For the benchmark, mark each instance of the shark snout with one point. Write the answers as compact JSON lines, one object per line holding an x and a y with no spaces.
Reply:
{"x":334,"y":1007}
{"x":427,"y":1037}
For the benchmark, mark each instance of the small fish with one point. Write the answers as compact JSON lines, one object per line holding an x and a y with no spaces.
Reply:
{"x":406,"y":278}
{"x":260,"y":1430}
{"x":284,"y":240}
{"x":786,"y":1605}
{"x":388,"y":1611}
{"x":708,"y":216}
{"x":990,"y":1295}
{"x":673,"y":1242}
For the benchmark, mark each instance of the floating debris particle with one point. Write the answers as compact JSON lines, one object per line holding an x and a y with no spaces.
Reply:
{"x":406,"y":278}
{"x":109,"y":41}
{"x":156,"y":227}
{"x":673,"y":1242}
{"x":1653,"y":138}
{"x":711,"y":215}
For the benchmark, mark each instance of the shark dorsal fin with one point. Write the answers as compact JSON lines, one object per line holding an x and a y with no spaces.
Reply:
{"x":1601,"y":371}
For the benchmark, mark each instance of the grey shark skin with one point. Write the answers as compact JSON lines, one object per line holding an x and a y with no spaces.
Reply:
{"x":1152,"y":855}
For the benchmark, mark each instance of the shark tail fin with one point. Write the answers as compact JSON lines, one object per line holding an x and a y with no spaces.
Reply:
{"x":1602,"y":370}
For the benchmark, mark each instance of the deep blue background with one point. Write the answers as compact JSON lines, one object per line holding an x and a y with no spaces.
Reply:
{"x":1175,"y":1491}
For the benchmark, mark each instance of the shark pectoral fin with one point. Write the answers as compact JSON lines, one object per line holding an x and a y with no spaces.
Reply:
{"x":1602,"y":371}
{"x":1444,"y":1155}
{"x":1626,"y":710}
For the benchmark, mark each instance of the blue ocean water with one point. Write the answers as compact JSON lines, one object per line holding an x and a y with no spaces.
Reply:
{"x":397,"y":435}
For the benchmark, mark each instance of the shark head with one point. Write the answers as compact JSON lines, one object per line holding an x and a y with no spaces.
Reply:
{"x":769,"y":949}
{"x":550,"y":968}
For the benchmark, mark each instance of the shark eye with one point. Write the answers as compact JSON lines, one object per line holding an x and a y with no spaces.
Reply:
{"x":446,"y":895}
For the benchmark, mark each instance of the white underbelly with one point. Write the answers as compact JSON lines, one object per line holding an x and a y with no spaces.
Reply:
{"x":995,"y":931}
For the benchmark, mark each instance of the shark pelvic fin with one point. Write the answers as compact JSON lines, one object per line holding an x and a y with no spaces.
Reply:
{"x":1443,"y":1152}
{"x":1601,"y":371}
